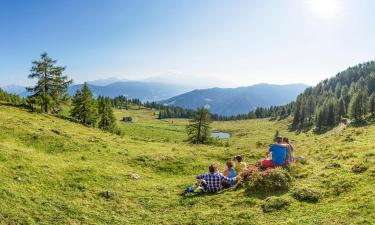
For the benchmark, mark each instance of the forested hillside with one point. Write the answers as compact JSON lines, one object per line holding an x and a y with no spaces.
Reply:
{"x":10,"y":98}
{"x":349,"y":94}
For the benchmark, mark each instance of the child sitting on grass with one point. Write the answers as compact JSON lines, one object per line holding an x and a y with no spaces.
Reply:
{"x":230,"y":173}
{"x":239,"y":164}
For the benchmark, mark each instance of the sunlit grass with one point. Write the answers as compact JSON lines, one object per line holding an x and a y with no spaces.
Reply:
{"x":55,"y":172}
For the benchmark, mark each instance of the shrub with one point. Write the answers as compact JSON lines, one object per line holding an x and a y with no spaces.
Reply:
{"x":359,"y":168}
{"x":333,"y":165}
{"x":341,"y":186}
{"x":274,"y":203}
{"x":306,"y":195}
{"x":271,"y":180}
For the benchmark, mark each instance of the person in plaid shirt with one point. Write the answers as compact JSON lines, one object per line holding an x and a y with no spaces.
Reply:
{"x":213,"y":181}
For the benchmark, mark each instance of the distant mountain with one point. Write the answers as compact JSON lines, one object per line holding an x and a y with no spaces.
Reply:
{"x":145,"y":91}
{"x":14,"y":89}
{"x":106,"y":81}
{"x":195,"y":81}
{"x":233,"y":101}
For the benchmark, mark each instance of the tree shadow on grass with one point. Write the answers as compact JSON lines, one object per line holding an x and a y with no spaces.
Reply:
{"x":186,"y":195}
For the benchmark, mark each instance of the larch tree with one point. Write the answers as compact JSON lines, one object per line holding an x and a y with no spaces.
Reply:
{"x":51,"y":86}
{"x":198,"y":129}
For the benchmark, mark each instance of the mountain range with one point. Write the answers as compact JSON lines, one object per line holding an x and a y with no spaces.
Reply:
{"x":145,"y":91}
{"x":233,"y":101}
{"x":222,"y":101}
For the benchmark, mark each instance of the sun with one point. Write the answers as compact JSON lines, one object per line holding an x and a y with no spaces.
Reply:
{"x":325,"y":8}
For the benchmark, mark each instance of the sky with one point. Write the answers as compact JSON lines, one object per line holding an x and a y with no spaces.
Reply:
{"x":240,"y":42}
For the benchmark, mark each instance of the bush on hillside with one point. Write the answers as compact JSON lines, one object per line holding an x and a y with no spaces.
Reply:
{"x":359,"y":168}
{"x":306,"y":195}
{"x":274,"y":203}
{"x":271,"y":180}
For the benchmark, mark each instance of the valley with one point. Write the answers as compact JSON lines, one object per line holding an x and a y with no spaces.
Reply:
{"x":59,"y":172}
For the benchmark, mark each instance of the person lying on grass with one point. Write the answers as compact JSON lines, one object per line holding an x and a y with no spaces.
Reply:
{"x":239,"y":165}
{"x":278,"y":151}
{"x":213,"y":180}
{"x":230,"y":173}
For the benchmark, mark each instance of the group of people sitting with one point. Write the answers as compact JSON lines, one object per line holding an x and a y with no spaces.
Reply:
{"x":214,"y":181}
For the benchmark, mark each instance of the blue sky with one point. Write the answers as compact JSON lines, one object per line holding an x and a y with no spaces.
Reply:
{"x":241,"y":42}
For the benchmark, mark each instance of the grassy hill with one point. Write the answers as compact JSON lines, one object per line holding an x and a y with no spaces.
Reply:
{"x":57,"y":172}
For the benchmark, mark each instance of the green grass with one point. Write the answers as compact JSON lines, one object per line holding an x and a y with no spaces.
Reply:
{"x":55,"y":172}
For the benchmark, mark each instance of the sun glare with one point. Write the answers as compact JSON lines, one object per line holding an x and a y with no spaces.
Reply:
{"x":325,"y":8}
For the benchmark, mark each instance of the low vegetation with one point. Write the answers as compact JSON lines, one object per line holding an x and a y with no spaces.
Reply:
{"x":58,"y":172}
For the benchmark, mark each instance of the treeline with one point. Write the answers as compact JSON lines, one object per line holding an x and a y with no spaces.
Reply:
{"x":11,"y":98}
{"x":171,"y":111}
{"x":273,"y":112}
{"x":93,"y":112}
{"x":50,"y":94}
{"x":350,"y":94}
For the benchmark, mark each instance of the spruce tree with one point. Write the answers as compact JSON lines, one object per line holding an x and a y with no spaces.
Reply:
{"x":321,"y":119}
{"x":199,"y":128}
{"x":84,"y":106}
{"x":341,"y":108}
{"x":51,"y":86}
{"x":358,"y":105}
{"x":107,"y":120}
{"x":331,"y":113}
{"x":372,"y":104}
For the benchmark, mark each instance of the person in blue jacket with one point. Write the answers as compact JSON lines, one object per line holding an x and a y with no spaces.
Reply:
{"x":278,"y":151}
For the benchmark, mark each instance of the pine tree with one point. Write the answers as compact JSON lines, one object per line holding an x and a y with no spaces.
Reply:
{"x":358,"y":105}
{"x":372,"y":104}
{"x":332,"y":117}
{"x":199,"y":128}
{"x":107,"y":120}
{"x":341,"y":108}
{"x":297,"y":117}
{"x":51,"y":86}
{"x":84,"y":107}
{"x":320,"y":119}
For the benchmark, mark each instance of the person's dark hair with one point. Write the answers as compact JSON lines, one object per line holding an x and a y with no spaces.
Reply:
{"x":229,"y":164}
{"x":212,"y":168}
{"x":238,"y":158}
{"x":286,"y":140}
{"x":279,"y":139}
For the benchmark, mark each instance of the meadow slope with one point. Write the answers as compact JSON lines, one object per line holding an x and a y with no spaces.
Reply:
{"x":54,"y":171}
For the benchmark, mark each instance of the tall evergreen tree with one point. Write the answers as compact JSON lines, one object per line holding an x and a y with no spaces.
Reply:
{"x":358,"y":105}
{"x":51,"y":86}
{"x":199,"y":128}
{"x":84,"y":106}
{"x":341,"y":108}
{"x":320,"y":119}
{"x":107,"y":120}
{"x":372,"y":104}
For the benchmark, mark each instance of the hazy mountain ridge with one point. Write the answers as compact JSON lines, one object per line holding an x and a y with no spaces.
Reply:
{"x":233,"y":101}
{"x":145,"y":91}
{"x":14,"y":89}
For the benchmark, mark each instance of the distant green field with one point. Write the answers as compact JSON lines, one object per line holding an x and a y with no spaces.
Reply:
{"x":57,"y":172}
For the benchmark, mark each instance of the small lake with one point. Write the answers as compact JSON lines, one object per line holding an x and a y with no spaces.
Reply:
{"x":221,"y":135}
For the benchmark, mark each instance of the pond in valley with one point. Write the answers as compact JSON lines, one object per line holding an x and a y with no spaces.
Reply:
{"x":219,"y":134}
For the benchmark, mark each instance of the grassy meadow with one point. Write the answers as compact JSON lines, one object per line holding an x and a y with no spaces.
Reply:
{"x":54,"y":171}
